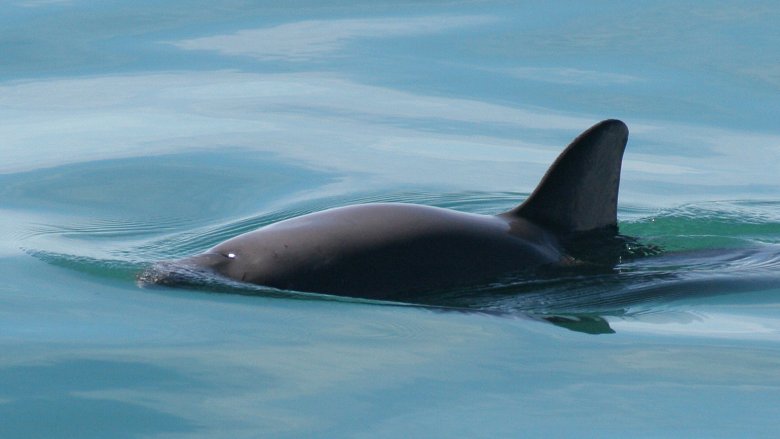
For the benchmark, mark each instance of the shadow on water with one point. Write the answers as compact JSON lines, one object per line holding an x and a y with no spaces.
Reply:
{"x":688,"y":252}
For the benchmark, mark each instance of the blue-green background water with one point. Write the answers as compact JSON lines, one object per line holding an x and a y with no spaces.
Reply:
{"x":138,"y":131}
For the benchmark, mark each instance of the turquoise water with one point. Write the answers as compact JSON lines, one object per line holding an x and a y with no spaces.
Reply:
{"x":135,"y":132}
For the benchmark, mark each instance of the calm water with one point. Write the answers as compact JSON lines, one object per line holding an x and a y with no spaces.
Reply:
{"x":138,"y":131}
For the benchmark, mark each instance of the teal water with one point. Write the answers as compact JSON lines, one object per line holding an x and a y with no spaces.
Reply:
{"x":135,"y":132}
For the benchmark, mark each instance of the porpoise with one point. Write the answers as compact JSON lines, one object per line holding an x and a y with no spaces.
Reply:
{"x":392,"y":251}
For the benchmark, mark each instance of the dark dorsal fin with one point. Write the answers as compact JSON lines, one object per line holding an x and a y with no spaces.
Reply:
{"x":580,"y":190}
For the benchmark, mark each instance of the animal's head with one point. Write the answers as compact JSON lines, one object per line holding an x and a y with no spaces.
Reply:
{"x":196,"y":270}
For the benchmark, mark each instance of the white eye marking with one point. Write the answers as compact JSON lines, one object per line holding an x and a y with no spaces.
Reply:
{"x":231,"y":255}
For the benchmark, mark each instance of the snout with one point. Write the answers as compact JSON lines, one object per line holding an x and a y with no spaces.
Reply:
{"x":163,"y":273}
{"x":195,"y":270}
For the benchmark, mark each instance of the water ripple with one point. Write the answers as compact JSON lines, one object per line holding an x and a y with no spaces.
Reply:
{"x":711,"y":248}
{"x":106,"y":228}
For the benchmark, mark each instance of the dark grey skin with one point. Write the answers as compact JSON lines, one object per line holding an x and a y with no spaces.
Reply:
{"x":383,"y":251}
{"x":393,"y":251}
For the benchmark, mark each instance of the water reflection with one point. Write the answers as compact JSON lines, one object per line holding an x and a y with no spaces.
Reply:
{"x":308,"y":40}
{"x":361,"y":131}
{"x":76,"y":398}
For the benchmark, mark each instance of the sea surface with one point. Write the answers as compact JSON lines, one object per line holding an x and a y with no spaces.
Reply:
{"x":134,"y":132}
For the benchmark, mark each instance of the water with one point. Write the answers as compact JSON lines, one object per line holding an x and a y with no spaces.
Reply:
{"x":138,"y":132}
